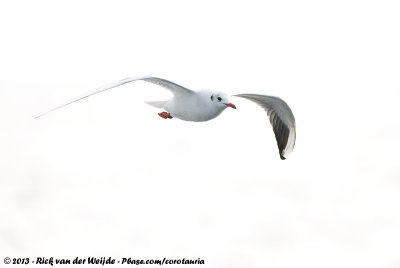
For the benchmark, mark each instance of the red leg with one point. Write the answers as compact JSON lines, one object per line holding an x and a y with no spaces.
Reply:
{"x":165,"y":115}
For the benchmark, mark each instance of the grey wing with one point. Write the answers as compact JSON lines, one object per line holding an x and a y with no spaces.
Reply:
{"x":174,"y":88}
{"x":281,"y":118}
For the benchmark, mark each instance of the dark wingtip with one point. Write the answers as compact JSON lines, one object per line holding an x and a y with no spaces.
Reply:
{"x":282,"y":157}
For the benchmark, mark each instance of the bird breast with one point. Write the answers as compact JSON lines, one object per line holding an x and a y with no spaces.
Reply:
{"x":192,"y":109}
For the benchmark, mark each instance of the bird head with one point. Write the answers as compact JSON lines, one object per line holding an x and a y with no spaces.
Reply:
{"x":221,"y":100}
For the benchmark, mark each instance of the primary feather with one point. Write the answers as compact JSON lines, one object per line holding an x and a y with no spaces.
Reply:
{"x":281,"y":118}
{"x":174,"y":88}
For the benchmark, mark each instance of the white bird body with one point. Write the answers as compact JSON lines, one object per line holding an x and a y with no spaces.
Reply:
{"x":205,"y":105}
{"x":195,"y":106}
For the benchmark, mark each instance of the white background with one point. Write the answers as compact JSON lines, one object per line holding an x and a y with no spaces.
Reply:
{"x":108,"y":177}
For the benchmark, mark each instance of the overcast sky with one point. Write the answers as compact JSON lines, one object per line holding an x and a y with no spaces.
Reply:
{"x":108,"y":177}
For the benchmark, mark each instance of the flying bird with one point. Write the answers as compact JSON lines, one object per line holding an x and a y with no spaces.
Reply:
{"x":205,"y":105}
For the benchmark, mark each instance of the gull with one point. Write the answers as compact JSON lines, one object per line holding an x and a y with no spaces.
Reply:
{"x":205,"y":105}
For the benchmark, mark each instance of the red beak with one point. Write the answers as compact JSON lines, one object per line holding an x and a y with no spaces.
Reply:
{"x":231,"y":105}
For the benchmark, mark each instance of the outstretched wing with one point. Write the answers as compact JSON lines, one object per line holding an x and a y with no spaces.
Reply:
{"x":281,"y":118}
{"x":174,"y":88}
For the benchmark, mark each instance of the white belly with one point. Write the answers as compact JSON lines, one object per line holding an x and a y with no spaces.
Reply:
{"x":191,"y":110}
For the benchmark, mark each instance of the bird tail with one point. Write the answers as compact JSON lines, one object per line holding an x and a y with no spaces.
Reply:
{"x":157,"y":104}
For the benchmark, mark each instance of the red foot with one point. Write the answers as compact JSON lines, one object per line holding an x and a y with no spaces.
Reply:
{"x":165,"y":115}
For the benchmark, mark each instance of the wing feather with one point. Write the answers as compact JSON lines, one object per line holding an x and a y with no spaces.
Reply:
{"x":281,"y":119}
{"x":174,"y":88}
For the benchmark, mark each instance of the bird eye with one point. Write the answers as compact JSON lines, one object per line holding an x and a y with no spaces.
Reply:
{"x":219,"y":99}
{"x":212,"y":97}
